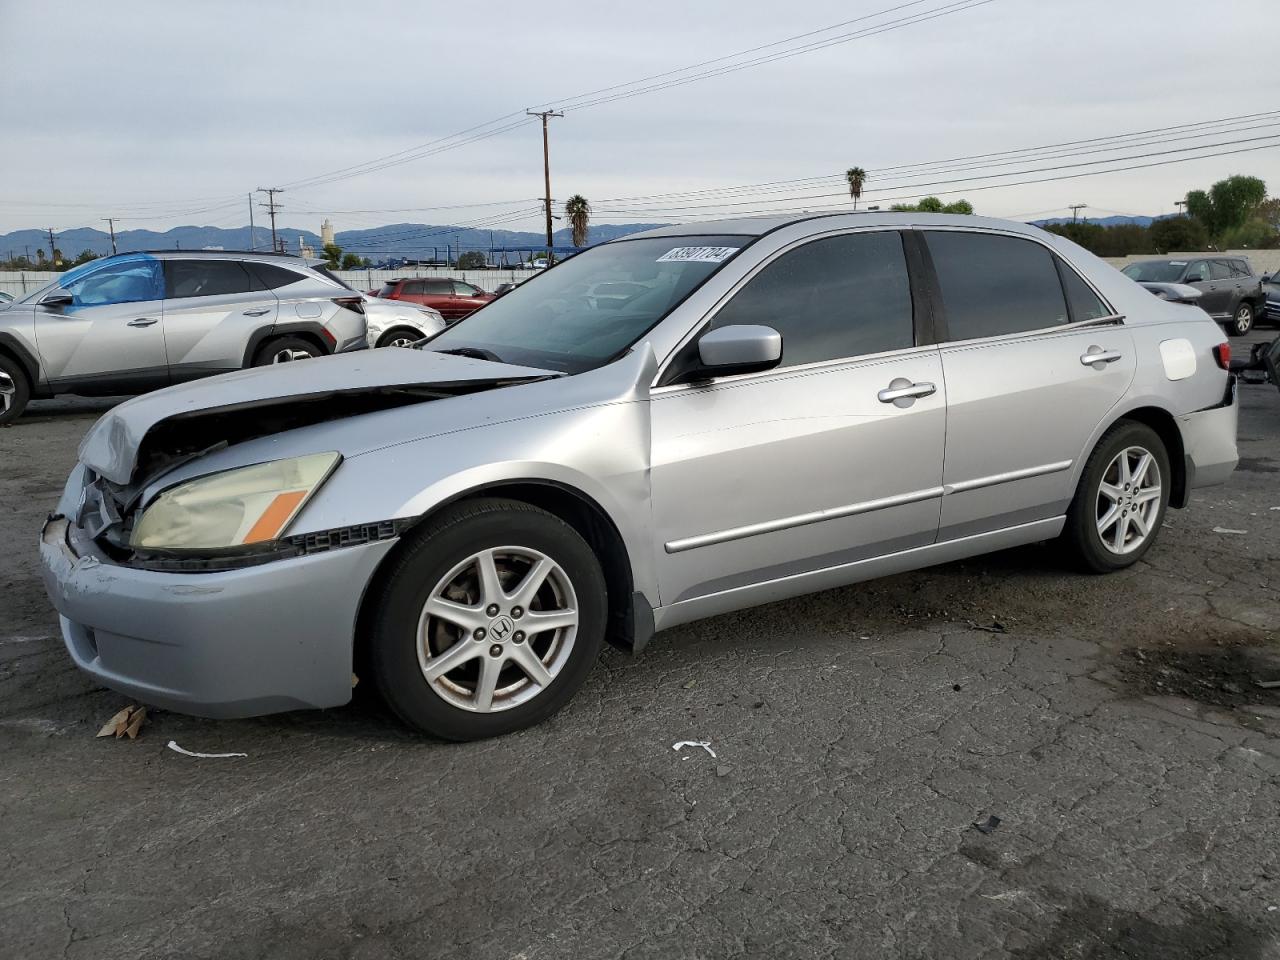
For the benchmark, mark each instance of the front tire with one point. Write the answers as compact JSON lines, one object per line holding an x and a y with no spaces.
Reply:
{"x":1120,"y":503}
{"x":400,"y":337}
{"x":15,"y":390}
{"x":488,"y":621}
{"x":1242,"y":321}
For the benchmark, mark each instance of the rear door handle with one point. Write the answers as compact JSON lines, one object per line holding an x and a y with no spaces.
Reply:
{"x":144,"y":322}
{"x":902,"y":389}
{"x":1097,"y":355}
{"x":257,"y":313}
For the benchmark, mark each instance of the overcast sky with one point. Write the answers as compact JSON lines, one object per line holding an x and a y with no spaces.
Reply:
{"x":162,"y":113}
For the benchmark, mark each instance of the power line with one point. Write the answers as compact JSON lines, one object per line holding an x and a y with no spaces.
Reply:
{"x":272,"y":207}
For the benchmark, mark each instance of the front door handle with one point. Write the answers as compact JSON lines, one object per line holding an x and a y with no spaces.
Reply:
{"x":257,"y":313}
{"x":144,"y":322}
{"x":1096,"y":357}
{"x":903,"y":389}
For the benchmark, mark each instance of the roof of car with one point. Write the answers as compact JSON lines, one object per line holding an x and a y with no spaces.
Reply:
{"x":759,"y":226}
{"x":217,"y":254}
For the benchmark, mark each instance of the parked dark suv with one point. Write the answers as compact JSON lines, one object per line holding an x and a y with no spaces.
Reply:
{"x":1230,"y":291}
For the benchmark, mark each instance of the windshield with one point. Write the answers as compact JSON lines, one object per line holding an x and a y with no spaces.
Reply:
{"x":1156,"y":271}
{"x":590,"y":308}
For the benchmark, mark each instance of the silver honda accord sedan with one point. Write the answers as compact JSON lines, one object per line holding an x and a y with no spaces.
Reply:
{"x":769,"y":407}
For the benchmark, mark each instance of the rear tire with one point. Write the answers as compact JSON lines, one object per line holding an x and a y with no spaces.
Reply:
{"x":456,"y":650}
{"x":400,"y":337}
{"x":12,"y":400}
{"x":285,"y":350}
{"x":1242,"y":321}
{"x":1120,"y":503}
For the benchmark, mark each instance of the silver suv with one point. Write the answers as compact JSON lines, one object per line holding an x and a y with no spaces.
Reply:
{"x":138,"y":321}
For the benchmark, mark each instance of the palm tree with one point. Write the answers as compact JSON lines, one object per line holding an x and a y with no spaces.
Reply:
{"x":578,"y":212}
{"x":856,"y":177}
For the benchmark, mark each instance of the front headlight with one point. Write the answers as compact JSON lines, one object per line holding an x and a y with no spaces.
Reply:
{"x":242,"y":506}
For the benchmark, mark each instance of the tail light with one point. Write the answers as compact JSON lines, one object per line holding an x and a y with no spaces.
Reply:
{"x":329,"y":337}
{"x":1222,"y":353}
{"x":351,"y":303}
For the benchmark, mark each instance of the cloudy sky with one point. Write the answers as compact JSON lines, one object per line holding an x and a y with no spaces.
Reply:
{"x":166,"y":113}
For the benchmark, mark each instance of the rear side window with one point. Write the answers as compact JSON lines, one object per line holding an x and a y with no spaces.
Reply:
{"x":204,"y":278}
{"x":840,"y":297}
{"x":1218,"y":270}
{"x":268,"y":276}
{"x":1083,"y":302}
{"x":993,"y":285}
{"x":1240,"y":269}
{"x":439,"y":288}
{"x":413,"y":288}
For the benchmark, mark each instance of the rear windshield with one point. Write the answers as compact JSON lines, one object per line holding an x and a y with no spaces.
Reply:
{"x":1155,"y":271}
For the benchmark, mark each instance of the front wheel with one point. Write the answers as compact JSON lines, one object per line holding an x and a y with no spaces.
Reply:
{"x":488,"y":622}
{"x":15,"y":391}
{"x":1242,"y":320}
{"x":285,"y":350}
{"x":400,"y":337}
{"x":1116,"y":513}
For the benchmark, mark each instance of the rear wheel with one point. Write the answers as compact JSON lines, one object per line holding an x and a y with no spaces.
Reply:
{"x":1120,"y":503}
{"x":488,"y":622}
{"x":1242,"y":321}
{"x":15,"y":390}
{"x":285,"y":350}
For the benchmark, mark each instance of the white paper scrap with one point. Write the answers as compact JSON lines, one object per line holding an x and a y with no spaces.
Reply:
{"x":704,"y":744}
{"x":203,"y":756}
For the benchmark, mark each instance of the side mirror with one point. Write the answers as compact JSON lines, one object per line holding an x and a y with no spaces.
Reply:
{"x":58,"y":298}
{"x":741,"y":348}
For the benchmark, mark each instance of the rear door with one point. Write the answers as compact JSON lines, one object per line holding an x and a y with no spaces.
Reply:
{"x":212,"y":310}
{"x":1023,"y":396}
{"x":110,"y":339}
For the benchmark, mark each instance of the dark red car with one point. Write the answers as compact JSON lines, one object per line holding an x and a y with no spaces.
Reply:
{"x":453,"y":298}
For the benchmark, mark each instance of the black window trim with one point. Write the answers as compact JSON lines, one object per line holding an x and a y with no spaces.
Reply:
{"x":1060,"y":263}
{"x":668,"y":366}
{"x":194,"y":257}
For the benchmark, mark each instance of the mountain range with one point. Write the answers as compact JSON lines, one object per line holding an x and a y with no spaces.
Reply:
{"x":396,"y":240}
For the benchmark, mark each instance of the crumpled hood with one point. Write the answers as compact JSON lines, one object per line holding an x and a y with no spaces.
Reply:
{"x":111,"y":446}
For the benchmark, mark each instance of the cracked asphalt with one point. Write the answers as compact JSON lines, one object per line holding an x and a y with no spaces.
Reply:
{"x":1113,"y":724}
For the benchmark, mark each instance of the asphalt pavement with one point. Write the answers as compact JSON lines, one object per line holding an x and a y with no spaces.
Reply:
{"x":1114,"y":725}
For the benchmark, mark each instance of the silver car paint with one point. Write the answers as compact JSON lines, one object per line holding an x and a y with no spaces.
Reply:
{"x":741,"y":491}
{"x":384,"y":316}
{"x":190,"y":337}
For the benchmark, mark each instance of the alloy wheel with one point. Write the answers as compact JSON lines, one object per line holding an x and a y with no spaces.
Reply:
{"x":402,"y":340}
{"x":497,"y":629}
{"x":1128,"y":503}
{"x":1244,"y":318}
{"x":288,"y":356}
{"x":8,"y":390}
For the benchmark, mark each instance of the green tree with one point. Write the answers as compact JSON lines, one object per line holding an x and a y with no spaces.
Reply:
{"x":934,"y":205}
{"x":856,"y":177}
{"x":472,"y":260}
{"x":1178,"y":234}
{"x":578,"y":212}
{"x":353,"y":261}
{"x":40,"y":257}
{"x":85,"y":257}
{"x":1227,"y":204}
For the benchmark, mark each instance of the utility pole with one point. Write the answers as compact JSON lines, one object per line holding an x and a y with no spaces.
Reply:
{"x":111,"y":225}
{"x":546,"y":167}
{"x":252,"y":244}
{"x":1075,"y":209}
{"x":272,"y":207}
{"x":1180,"y":204}
{"x":53,"y":257}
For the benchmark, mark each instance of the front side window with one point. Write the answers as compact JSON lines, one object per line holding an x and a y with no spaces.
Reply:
{"x":554,"y":322}
{"x":465,"y":289}
{"x":1198,"y":272}
{"x":1156,"y":271}
{"x":1218,"y":270}
{"x":994,"y":285}
{"x":204,"y":278}
{"x":129,"y":282}
{"x":831,"y":299}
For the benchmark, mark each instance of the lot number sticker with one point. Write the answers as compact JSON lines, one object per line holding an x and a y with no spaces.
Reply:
{"x":698,"y":255}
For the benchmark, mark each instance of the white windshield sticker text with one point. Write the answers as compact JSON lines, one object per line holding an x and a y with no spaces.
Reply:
{"x":698,"y":254}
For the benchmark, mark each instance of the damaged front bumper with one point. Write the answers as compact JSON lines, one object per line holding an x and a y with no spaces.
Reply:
{"x":235,"y":643}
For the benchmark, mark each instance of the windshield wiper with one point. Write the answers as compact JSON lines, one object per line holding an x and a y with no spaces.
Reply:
{"x":478,"y":353}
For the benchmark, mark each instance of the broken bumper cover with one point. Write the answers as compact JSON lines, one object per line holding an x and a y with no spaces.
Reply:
{"x":1209,"y":441}
{"x":238,"y":643}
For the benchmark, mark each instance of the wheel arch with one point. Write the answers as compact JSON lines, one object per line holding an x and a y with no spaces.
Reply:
{"x":13,"y":348}
{"x":400,"y":327}
{"x":1165,"y":424}
{"x":631,"y":621}
{"x":304,"y":330}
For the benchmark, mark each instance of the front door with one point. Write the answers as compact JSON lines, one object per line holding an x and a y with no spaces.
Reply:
{"x":1023,"y":395}
{"x":1208,"y":277}
{"x":110,"y":339}
{"x":812,"y":464}
{"x":212,"y":309}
